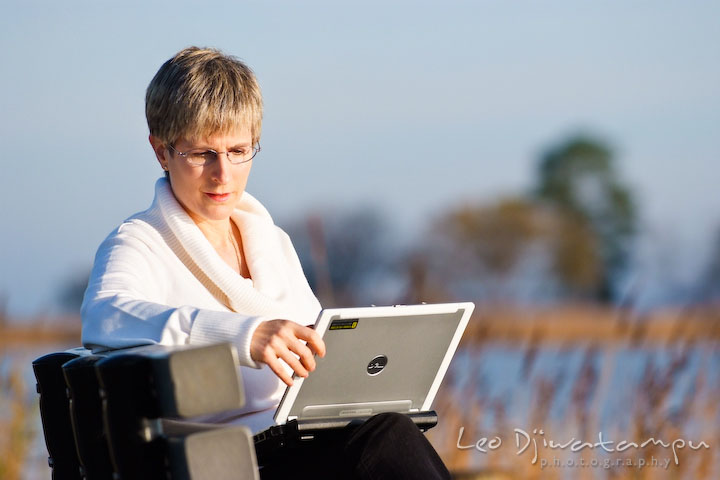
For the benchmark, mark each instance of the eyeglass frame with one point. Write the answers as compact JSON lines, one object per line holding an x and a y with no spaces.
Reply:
{"x":184,"y":155}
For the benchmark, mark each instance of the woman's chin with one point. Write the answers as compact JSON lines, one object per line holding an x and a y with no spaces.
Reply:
{"x":218,"y":214}
{"x":210,"y":213}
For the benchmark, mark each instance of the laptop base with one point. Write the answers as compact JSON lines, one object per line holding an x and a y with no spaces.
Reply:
{"x":279,"y":440}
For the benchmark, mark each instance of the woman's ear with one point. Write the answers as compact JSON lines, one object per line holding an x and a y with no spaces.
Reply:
{"x":160,"y":149}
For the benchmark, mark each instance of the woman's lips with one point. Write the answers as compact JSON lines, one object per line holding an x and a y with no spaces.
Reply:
{"x":218,"y":197}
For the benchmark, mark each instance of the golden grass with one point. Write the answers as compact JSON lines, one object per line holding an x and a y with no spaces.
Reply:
{"x":16,"y":424}
{"x":587,"y":323}
{"x":40,"y":331}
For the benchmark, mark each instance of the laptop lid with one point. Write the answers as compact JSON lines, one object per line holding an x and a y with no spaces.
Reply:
{"x":378,"y":359}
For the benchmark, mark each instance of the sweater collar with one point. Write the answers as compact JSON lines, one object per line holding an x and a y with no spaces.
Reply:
{"x":261,"y":245}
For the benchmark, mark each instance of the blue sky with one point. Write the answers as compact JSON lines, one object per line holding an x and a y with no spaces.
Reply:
{"x":409,"y":107}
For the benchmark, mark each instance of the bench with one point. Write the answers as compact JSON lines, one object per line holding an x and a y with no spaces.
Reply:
{"x":124,"y":414}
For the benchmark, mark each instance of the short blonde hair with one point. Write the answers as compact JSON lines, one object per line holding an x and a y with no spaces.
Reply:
{"x":201,"y":92}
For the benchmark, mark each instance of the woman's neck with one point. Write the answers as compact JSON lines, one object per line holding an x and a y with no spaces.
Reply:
{"x":227,"y":242}
{"x":217,"y":232}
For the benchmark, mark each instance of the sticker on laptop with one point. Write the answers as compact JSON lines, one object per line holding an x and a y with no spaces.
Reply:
{"x":344,"y":324}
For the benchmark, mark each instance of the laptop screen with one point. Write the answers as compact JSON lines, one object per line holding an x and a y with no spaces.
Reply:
{"x":378,"y":359}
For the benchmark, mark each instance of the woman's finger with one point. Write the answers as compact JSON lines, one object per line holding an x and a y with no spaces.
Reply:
{"x":313,"y":339}
{"x":294,"y":363}
{"x":304,"y":353}
{"x":279,"y":369}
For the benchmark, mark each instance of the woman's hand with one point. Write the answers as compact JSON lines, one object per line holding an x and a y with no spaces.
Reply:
{"x":282,"y":339}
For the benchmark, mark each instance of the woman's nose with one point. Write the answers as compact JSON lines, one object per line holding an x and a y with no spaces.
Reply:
{"x":221,"y":168}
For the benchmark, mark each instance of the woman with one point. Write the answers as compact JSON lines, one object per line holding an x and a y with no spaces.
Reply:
{"x":205,"y":263}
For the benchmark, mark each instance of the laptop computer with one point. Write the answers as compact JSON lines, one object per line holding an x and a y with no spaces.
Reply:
{"x":378,"y":359}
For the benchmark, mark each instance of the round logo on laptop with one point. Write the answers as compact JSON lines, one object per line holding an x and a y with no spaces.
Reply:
{"x":377,"y":365}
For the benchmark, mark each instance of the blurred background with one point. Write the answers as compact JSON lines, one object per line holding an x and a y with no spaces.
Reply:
{"x":553,"y":162}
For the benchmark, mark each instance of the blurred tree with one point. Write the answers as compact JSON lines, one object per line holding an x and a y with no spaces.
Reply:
{"x":421,"y":286}
{"x":708,"y":288}
{"x":495,"y":235}
{"x":575,"y":257}
{"x":481,"y":251}
{"x":3,"y":309}
{"x":578,"y":178}
{"x":71,"y":292}
{"x":568,"y":239}
{"x":342,"y":253}
{"x":516,"y":250}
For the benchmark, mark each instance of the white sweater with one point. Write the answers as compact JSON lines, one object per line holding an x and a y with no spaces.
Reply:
{"x":140,"y":292}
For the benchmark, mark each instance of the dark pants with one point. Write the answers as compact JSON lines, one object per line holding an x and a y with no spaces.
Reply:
{"x":386,"y":446}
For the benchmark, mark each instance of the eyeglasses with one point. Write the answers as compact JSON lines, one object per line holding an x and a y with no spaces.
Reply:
{"x":200,"y":158}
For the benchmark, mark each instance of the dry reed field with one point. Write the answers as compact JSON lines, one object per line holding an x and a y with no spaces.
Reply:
{"x":539,"y":379}
{"x":650,"y":385}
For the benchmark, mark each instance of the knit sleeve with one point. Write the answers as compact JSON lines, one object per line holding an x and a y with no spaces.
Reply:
{"x":128,"y":302}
